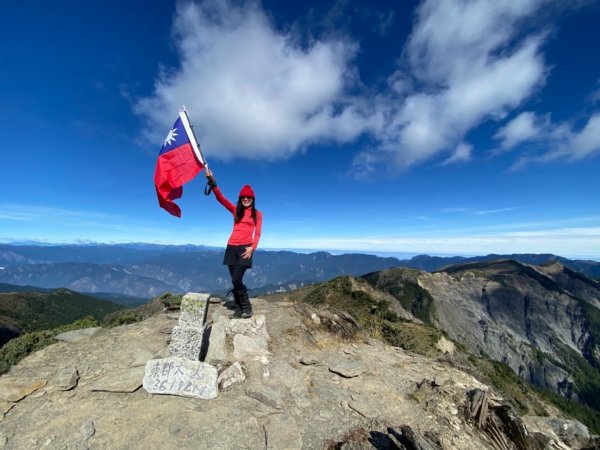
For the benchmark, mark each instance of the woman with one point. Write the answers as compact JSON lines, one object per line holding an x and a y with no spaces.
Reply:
{"x":247,"y":224}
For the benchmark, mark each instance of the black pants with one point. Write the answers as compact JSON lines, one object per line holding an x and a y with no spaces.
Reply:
{"x":237,"y":274}
{"x":240,"y":293}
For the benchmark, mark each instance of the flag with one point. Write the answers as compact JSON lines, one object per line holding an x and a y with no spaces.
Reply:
{"x":178,"y":162}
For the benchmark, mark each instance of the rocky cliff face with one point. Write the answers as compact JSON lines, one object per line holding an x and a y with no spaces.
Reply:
{"x":308,"y":389}
{"x":540,"y":320}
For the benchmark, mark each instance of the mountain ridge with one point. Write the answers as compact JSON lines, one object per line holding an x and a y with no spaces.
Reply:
{"x":537,"y":319}
{"x":540,"y":323}
{"x":145,"y":273}
{"x":24,"y":312}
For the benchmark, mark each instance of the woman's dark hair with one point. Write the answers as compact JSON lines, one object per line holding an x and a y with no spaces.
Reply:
{"x":239,"y":211}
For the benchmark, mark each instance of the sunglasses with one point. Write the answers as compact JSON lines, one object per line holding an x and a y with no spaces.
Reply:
{"x":245,"y":198}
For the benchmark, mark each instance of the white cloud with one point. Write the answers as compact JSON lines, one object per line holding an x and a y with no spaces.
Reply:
{"x":525,"y":127}
{"x":567,"y":144}
{"x":577,"y":243}
{"x":451,"y":35}
{"x":464,"y":56}
{"x":477,"y":212}
{"x":586,"y":142}
{"x":30,"y":213}
{"x":572,"y":237}
{"x":253,"y":91}
{"x":462,"y":154}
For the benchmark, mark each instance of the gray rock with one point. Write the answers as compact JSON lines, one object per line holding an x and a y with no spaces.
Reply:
{"x":572,"y":432}
{"x":67,"y":378}
{"x":245,"y":347}
{"x":78,"y":335}
{"x":309,"y":360}
{"x":366,"y":409}
{"x":87,"y":430}
{"x":217,"y":345}
{"x":348,"y":369}
{"x":231,"y":376}
{"x":123,"y":380}
{"x":293,"y":379}
{"x":282,"y":433}
{"x":256,"y":326}
{"x":266,"y":395}
{"x":140,"y":358}
{"x":181,"y":376}
{"x":289,"y":376}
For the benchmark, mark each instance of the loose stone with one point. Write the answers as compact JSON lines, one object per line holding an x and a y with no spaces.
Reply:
{"x":348,"y":369}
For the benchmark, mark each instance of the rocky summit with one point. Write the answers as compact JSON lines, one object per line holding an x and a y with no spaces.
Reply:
{"x":276,"y":381}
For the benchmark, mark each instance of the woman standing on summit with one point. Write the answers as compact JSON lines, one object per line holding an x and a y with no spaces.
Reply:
{"x":247,"y":224}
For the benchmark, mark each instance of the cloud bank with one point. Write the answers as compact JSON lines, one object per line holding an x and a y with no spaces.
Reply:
{"x":255,"y":92}
{"x":258,"y":92}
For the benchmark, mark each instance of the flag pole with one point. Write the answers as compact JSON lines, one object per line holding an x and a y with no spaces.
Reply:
{"x":189,"y":128}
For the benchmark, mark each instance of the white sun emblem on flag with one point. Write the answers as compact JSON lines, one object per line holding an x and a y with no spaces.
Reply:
{"x":171,"y":136}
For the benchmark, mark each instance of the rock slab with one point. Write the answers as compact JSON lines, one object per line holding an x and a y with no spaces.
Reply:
{"x":14,"y":389}
{"x":348,"y":369}
{"x":120,"y":380}
{"x":181,"y":376}
{"x":77,"y":335}
{"x":282,"y":433}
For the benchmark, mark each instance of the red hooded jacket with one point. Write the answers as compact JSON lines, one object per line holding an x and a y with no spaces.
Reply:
{"x":245,"y":231}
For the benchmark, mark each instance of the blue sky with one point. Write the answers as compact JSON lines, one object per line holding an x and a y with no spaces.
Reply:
{"x":440,"y":127}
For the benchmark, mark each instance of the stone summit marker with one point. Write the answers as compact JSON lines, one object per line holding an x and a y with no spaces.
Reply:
{"x":186,"y":339}
{"x":180,"y":376}
{"x":183,"y":373}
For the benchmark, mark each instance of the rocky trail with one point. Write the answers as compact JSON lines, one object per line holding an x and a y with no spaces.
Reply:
{"x":303,"y":388}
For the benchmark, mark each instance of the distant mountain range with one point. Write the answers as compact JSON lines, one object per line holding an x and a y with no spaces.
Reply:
{"x":144,"y":271}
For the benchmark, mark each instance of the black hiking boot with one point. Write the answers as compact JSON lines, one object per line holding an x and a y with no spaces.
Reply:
{"x":228,"y":303}
{"x":245,"y":304}
{"x":237,"y":310}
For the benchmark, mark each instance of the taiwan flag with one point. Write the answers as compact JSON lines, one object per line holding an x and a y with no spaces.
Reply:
{"x":178,"y":162}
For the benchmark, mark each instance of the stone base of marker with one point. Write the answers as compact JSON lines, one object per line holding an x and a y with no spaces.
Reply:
{"x":180,"y":376}
{"x":186,"y":342}
{"x":186,"y":339}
